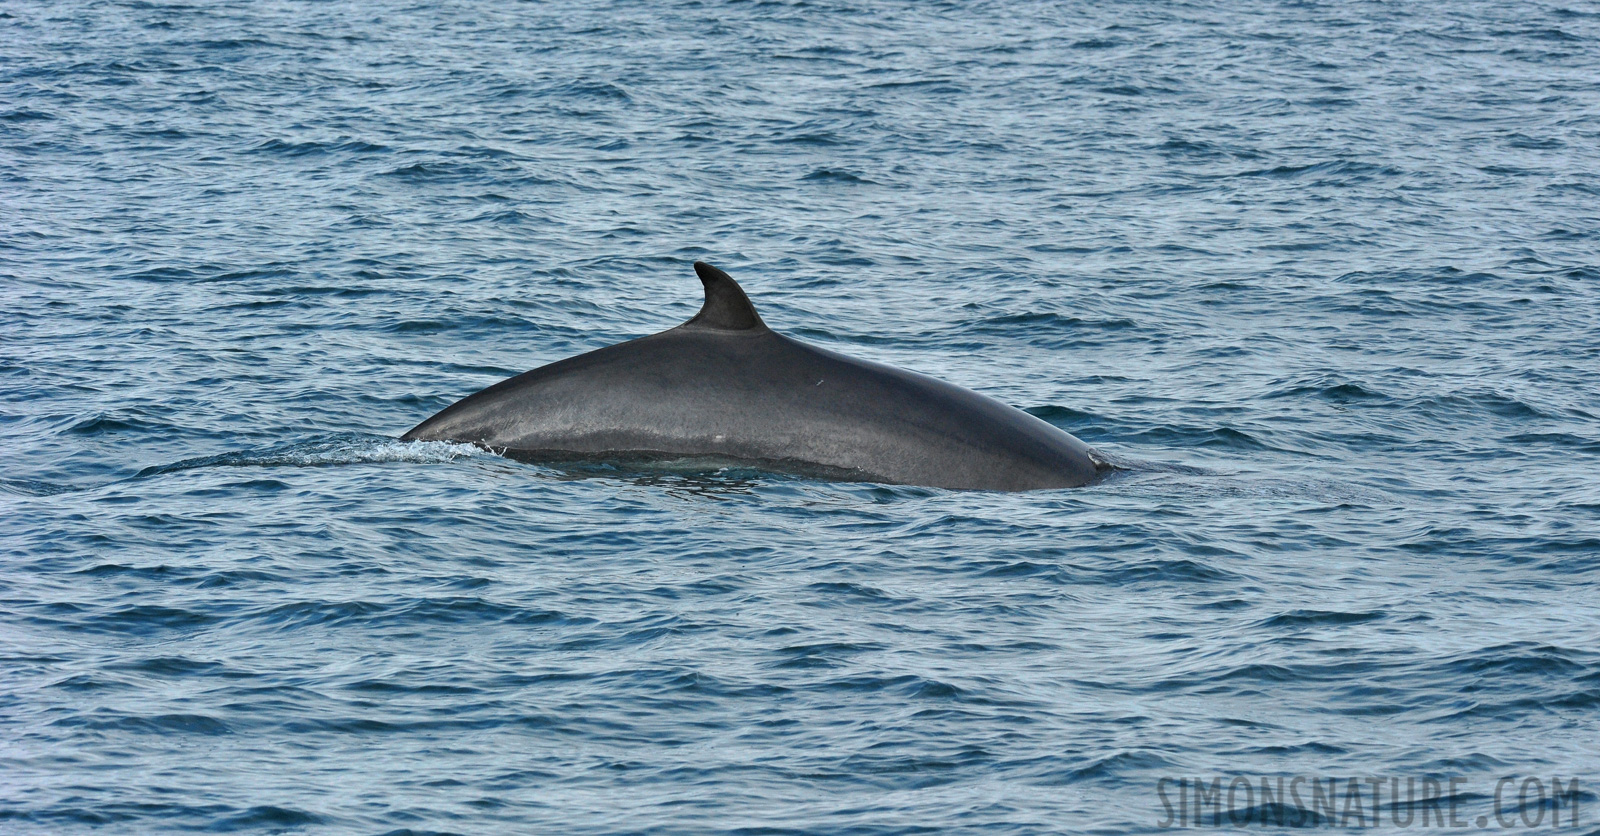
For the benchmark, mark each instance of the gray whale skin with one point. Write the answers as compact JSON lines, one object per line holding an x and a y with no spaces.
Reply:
{"x":724,"y":385}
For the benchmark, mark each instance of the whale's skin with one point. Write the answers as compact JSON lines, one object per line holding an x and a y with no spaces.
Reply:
{"x":724,"y":385}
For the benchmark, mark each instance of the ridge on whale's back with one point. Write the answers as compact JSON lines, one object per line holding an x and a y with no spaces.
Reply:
{"x":723,"y":384}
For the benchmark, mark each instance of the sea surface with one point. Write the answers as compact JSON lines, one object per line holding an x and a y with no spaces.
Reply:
{"x":1322,"y":278}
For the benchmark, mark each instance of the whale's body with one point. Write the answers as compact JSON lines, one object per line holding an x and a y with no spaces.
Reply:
{"x":724,"y":385}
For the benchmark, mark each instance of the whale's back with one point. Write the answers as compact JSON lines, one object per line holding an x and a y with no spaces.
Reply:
{"x":749,"y":393}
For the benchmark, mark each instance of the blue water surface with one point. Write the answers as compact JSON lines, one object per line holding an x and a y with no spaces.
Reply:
{"x":1322,"y":277}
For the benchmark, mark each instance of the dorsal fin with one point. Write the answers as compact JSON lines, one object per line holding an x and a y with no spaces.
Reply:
{"x":726,"y":307}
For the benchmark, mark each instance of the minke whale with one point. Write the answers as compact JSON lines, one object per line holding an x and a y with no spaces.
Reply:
{"x":725,"y":386}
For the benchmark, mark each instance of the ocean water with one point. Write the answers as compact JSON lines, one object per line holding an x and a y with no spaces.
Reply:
{"x":1321,"y":277}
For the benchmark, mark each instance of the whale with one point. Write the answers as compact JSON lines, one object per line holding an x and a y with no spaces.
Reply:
{"x":724,"y":386}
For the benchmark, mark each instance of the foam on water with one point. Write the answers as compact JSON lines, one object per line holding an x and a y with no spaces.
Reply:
{"x":341,"y":449}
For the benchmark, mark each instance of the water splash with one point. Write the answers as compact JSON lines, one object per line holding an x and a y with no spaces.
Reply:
{"x":328,"y":451}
